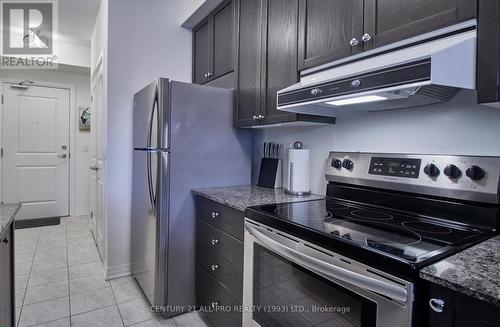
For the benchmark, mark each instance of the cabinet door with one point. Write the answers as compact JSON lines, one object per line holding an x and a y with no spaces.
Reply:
{"x":389,"y":21}
{"x":326,"y":28}
{"x":281,"y":23}
{"x":249,"y":63}
{"x":201,"y":52}
{"x":223,"y":43}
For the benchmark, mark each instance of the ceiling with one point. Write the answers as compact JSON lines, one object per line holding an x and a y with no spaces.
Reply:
{"x":76,"y":20}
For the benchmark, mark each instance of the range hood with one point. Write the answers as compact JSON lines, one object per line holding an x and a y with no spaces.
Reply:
{"x":424,"y":74}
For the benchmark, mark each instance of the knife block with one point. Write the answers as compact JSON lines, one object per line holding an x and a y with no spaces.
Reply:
{"x":270,"y":173}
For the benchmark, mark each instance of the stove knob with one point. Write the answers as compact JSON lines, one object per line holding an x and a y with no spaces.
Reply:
{"x":347,"y":164}
{"x":452,"y":171}
{"x":475,"y":172}
{"x":336,"y":163}
{"x":431,"y":170}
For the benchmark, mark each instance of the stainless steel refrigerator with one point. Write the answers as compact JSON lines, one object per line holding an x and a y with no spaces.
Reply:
{"x":183,"y":139}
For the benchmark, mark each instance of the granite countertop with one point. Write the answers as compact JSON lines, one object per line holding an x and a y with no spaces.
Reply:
{"x":241,"y":197}
{"x":474,"y":271}
{"x":7,"y":214}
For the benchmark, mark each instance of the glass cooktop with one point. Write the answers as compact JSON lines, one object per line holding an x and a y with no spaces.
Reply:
{"x":392,"y":233}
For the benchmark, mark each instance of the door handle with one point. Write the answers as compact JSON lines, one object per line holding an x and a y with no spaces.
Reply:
{"x":62,"y":155}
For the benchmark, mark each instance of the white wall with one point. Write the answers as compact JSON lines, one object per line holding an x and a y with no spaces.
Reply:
{"x":80,"y":78}
{"x":457,"y":128}
{"x":145,"y":42}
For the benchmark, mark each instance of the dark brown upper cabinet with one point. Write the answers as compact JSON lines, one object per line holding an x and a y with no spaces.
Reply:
{"x":280,"y":57}
{"x":202,"y":53}
{"x":389,"y":21}
{"x":329,"y":30}
{"x":214,"y":44}
{"x":335,"y":29}
{"x":249,"y":80}
{"x":267,"y":62}
{"x":488,"y":51}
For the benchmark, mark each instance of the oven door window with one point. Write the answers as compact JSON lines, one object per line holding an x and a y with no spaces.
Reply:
{"x":285,"y":294}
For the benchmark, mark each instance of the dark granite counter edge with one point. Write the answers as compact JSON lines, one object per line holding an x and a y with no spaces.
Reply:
{"x":213,"y":198}
{"x":460,"y":288}
{"x":10,"y":220}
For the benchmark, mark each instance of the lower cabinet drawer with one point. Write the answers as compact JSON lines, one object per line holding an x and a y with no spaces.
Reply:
{"x":223,"y":217}
{"x":221,"y":243}
{"x":220,"y":269}
{"x":217,"y":305}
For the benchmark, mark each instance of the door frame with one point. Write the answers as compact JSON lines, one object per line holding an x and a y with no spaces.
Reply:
{"x":73,"y":122}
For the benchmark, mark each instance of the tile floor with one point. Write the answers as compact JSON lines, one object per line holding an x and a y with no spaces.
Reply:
{"x":60,"y":283}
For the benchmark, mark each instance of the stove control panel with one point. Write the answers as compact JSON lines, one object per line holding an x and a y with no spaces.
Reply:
{"x":408,"y":168}
{"x":457,"y":177}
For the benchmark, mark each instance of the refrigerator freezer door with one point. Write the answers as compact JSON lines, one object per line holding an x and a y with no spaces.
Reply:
{"x":151,"y":116}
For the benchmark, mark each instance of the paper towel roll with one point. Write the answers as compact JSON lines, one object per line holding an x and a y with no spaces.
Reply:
{"x":298,"y":172}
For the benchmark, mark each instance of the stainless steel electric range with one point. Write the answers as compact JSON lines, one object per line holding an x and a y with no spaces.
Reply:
{"x":353,"y":258}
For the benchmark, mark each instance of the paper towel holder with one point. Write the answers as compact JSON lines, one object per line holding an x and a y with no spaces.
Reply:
{"x":289,"y":190}
{"x":290,"y":182}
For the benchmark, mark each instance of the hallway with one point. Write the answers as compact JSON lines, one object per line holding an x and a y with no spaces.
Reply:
{"x":60,"y":283}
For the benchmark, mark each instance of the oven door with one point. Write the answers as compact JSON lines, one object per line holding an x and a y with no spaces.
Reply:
{"x":289,"y":282}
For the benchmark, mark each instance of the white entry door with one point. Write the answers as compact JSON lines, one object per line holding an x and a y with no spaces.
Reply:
{"x":36,"y":150}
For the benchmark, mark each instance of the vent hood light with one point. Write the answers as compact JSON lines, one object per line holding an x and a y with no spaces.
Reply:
{"x":357,"y":100}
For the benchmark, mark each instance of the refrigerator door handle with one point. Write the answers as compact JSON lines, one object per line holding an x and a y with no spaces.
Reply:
{"x":150,"y":184}
{"x":152,"y":149}
{"x":148,"y":148}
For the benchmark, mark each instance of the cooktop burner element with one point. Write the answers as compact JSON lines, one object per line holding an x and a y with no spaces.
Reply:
{"x":399,"y":235}
{"x":427,"y":227}
{"x":370,"y":214}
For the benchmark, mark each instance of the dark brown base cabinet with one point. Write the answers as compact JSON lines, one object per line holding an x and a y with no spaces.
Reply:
{"x":219,"y":262}
{"x":7,"y":280}
{"x":458,"y":310}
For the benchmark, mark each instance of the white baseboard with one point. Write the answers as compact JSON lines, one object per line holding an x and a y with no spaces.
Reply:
{"x":80,"y":212}
{"x":117,"y":271}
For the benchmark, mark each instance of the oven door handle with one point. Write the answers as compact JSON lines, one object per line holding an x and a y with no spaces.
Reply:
{"x":386,"y":288}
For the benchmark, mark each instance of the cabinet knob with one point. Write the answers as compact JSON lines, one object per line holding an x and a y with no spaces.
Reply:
{"x":356,"y":83}
{"x":215,"y":214}
{"x":215,"y":241}
{"x":437,"y":305}
{"x":354,"y":42}
{"x":6,"y":240}
{"x":366,"y":37}
{"x":215,"y":267}
{"x":316,"y":91}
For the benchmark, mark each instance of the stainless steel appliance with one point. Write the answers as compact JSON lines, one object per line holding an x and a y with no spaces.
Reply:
{"x":412,"y":73}
{"x":353,"y":258}
{"x":183,"y":139}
